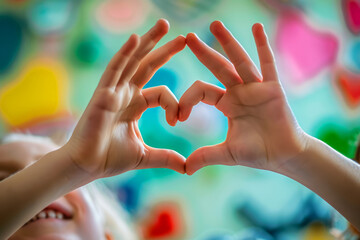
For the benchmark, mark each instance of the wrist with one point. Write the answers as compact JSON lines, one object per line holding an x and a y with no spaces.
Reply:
{"x":73,"y":175}
{"x":296,"y":162}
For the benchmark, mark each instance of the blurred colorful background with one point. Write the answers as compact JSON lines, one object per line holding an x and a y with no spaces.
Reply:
{"x":52,"y":55}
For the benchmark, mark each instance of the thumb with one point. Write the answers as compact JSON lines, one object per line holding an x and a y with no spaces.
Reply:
{"x":209,"y":155}
{"x":162,"y":158}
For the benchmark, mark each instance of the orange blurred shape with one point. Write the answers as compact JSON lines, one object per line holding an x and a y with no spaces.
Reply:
{"x":349,"y":84}
{"x":165,"y":221}
{"x":39,"y":93}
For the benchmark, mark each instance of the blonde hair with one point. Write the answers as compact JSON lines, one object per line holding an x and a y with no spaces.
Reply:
{"x":21,"y":137}
{"x":115,"y":220}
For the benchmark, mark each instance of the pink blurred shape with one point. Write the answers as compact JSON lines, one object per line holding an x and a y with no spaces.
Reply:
{"x":305,"y":51}
{"x":351,"y":10}
{"x":119,"y":16}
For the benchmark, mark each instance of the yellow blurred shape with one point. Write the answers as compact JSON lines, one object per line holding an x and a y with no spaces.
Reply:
{"x":38,"y":93}
{"x":317,"y":231}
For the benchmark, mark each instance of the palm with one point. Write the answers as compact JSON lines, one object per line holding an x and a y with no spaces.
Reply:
{"x":255,"y":123}
{"x":125,"y":141}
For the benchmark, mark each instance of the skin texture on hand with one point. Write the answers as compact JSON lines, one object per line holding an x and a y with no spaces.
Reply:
{"x":107,"y":140}
{"x":262,"y":132}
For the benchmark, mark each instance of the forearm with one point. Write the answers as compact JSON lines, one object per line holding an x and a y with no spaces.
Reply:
{"x":27,"y":192}
{"x":331,"y":175}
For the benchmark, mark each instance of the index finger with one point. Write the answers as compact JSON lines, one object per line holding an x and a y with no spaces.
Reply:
{"x":147,"y":42}
{"x":222,"y":69}
{"x":236,"y":53}
{"x":154,"y":60}
{"x":118,"y":62}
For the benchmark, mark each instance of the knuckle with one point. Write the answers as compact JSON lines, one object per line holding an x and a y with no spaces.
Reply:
{"x":152,"y":65}
{"x":164,"y":89}
{"x":238,"y":61}
{"x":198,"y":83}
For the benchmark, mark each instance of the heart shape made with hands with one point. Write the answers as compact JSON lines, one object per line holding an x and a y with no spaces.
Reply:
{"x":259,"y":119}
{"x":246,"y":90}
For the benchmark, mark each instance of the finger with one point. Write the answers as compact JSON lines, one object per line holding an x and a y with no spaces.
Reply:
{"x":266,"y":56}
{"x":153,"y":61}
{"x":199,"y":91}
{"x":209,"y":155}
{"x":118,"y":62}
{"x":162,"y":96}
{"x":163,"y":158}
{"x":237,"y":55}
{"x":222,"y":69}
{"x":147,"y":42}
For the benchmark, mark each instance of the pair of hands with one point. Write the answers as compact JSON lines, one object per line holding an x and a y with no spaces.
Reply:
{"x":262,"y":131}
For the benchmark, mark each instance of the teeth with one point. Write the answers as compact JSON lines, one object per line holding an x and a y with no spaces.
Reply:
{"x":51,"y":214}
{"x":48,"y":214}
{"x":41,"y":215}
{"x":59,"y":216}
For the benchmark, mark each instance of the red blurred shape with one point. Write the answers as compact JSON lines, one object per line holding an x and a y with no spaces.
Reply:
{"x":351,"y":9}
{"x":165,"y":221}
{"x":163,"y":226}
{"x":349,"y":84}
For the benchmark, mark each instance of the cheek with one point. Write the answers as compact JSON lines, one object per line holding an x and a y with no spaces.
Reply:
{"x":89,"y":224}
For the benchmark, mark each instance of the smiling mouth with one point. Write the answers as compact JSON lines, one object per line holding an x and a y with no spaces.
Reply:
{"x":49,"y":213}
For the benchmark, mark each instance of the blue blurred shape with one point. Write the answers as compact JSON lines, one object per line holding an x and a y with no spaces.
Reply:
{"x":219,"y":237}
{"x":355,"y":54}
{"x":51,"y":16}
{"x":128,"y":195}
{"x":309,"y":210}
{"x":10,"y":40}
{"x":163,"y":77}
{"x":253,"y":234}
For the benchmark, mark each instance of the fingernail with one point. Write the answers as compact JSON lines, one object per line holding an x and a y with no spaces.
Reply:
{"x":163,"y":19}
{"x":221,"y":23}
{"x":196,"y":35}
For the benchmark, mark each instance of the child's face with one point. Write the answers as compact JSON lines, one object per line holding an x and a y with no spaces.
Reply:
{"x":80,"y":217}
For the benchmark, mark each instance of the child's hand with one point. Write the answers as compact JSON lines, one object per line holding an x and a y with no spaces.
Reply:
{"x":107,"y":140}
{"x":262,"y":132}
